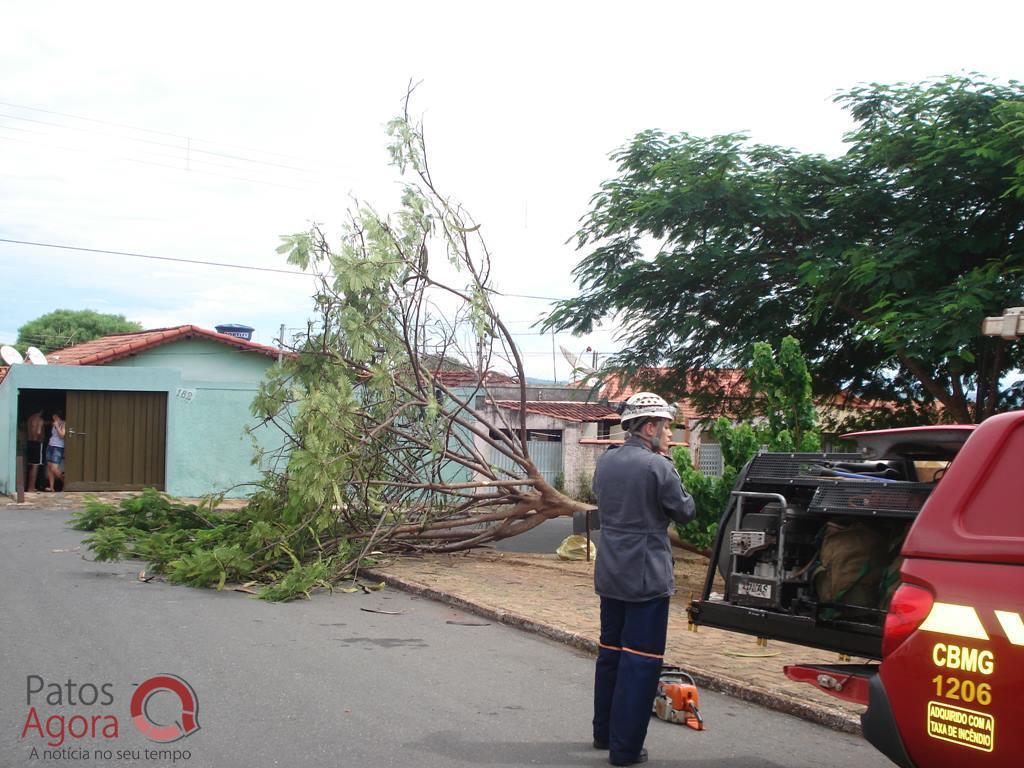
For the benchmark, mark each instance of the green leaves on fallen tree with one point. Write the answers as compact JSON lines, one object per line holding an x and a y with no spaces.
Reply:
{"x":205,"y":566}
{"x":386,"y":443}
{"x":111,"y":543}
{"x":200,"y":546}
{"x":387,"y":440}
{"x":301,"y":580}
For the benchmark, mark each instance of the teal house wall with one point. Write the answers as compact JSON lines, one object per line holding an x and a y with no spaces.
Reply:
{"x":209,"y":387}
{"x":209,"y":410}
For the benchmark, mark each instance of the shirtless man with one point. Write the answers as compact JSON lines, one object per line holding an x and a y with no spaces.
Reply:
{"x":34,"y":447}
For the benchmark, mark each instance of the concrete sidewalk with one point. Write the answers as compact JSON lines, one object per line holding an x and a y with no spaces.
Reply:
{"x":543,"y":594}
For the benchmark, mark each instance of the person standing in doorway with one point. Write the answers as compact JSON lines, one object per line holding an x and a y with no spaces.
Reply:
{"x":35,"y":430}
{"x":638,"y":493}
{"x":55,"y":451}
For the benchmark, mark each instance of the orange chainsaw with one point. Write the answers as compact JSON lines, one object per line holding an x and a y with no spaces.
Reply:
{"x":676,"y":701}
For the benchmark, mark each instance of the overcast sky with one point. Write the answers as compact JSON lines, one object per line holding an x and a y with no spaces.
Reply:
{"x":206,"y":130}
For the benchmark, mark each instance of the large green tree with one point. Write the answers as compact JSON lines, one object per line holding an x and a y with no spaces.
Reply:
{"x":64,"y":327}
{"x":882,"y":261}
{"x":1011,"y":114}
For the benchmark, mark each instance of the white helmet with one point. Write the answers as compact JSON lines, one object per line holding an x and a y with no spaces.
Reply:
{"x":647,"y":405}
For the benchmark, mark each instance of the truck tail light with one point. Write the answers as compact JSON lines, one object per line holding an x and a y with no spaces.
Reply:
{"x":910,"y":606}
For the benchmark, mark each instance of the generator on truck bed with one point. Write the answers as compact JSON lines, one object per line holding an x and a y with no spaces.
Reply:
{"x":808,"y":546}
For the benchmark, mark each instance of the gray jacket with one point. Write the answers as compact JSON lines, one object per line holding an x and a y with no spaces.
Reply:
{"x":638,"y":491}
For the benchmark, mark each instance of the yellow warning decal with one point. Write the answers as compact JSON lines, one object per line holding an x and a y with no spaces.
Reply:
{"x":1012,"y":625}
{"x":959,"y":620}
{"x":961,"y":726}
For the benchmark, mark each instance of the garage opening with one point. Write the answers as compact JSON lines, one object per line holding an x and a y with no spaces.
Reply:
{"x":115,"y":441}
{"x":47,"y":402}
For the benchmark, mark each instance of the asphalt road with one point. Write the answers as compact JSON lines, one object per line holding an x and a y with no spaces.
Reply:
{"x":325,"y":682}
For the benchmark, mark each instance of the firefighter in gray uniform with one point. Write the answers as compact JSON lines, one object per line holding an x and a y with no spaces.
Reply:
{"x":638,"y":492}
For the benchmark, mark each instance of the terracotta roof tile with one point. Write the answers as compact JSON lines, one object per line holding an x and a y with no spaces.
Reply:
{"x":617,"y":388}
{"x":729,"y":380}
{"x":120,"y":345}
{"x":565,"y":410}
{"x":846,"y":401}
{"x":468,"y":378}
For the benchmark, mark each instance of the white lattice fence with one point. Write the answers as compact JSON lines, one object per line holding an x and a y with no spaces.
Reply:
{"x":709,"y":459}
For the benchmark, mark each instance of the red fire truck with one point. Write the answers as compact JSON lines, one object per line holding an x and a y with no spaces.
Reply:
{"x":909,"y":554}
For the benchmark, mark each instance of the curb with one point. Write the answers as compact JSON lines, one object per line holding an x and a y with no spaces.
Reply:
{"x":738,"y":689}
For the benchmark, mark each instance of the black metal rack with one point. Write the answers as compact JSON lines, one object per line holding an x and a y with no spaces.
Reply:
{"x":793,"y":468}
{"x":870,"y":499}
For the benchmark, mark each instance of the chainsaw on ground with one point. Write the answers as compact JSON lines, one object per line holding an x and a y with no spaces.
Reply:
{"x":676,"y":700}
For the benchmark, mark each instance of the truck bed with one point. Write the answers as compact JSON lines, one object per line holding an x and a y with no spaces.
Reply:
{"x":771,"y":540}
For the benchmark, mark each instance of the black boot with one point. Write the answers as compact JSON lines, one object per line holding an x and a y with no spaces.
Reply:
{"x":640,"y":758}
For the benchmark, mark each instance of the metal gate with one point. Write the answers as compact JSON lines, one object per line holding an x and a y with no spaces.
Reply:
{"x":116,"y":441}
{"x":545,"y":454}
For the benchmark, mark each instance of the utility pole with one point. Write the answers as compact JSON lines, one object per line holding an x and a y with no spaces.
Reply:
{"x":554,"y":366}
{"x":280,"y":344}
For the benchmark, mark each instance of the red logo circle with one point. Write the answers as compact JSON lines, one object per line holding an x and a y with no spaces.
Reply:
{"x":158,"y":732}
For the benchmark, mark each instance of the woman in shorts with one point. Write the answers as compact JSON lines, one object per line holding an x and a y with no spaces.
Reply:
{"x":55,"y":450}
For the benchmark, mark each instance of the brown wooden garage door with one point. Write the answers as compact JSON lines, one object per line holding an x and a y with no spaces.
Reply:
{"x":116,"y":441}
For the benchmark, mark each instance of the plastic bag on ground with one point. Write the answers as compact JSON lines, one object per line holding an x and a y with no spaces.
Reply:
{"x":575,"y":548}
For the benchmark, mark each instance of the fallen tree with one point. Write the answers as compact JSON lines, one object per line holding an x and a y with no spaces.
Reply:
{"x":387,"y":443}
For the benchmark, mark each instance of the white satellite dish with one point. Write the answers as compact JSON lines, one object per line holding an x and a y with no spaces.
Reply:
{"x":575,"y":361}
{"x":35,"y":356}
{"x":11,"y":356}
{"x":568,"y":355}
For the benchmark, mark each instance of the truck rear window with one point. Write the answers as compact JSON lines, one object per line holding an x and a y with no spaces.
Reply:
{"x":996,"y":507}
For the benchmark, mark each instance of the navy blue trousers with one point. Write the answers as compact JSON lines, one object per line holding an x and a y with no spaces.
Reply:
{"x":629,"y":661}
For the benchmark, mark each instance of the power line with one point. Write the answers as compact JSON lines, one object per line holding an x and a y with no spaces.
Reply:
{"x":89,"y":119}
{"x":526,"y":296}
{"x":187,"y":170}
{"x":145,"y":130}
{"x":156,"y":258}
{"x":186,"y":151}
{"x":186,"y":148}
{"x":225,"y":265}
